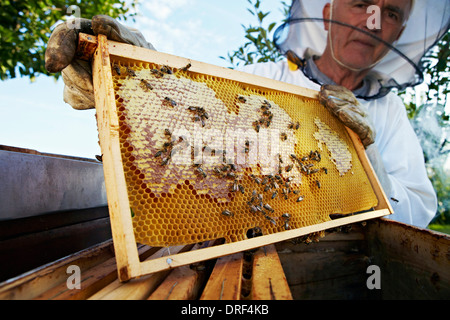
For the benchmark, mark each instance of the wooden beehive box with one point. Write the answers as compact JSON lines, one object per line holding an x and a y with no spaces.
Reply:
{"x":151,"y":106}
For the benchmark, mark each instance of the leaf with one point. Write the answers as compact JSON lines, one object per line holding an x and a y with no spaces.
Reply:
{"x":273,"y":24}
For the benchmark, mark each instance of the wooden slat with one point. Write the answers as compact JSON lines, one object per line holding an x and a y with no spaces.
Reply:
{"x":140,"y":288}
{"x":383,"y":202}
{"x":186,"y":258}
{"x":87,"y":45}
{"x":36,"y":282}
{"x":226,"y":279}
{"x":116,"y":190}
{"x":92,"y":280}
{"x":268,"y":279}
{"x":183,"y":283}
{"x":126,"y":52}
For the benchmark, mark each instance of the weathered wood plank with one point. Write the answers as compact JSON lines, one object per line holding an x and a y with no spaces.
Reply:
{"x":87,"y":45}
{"x":116,"y":190}
{"x":139,"y":288}
{"x":92,"y":280}
{"x":268,"y":279}
{"x":38,"y":281}
{"x":414,"y":263}
{"x":183,"y":283}
{"x":225,"y":280}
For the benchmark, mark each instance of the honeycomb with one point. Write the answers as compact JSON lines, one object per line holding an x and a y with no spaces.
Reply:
{"x":207,"y":158}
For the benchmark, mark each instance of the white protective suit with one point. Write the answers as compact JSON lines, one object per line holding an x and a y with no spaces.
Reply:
{"x":415,"y":199}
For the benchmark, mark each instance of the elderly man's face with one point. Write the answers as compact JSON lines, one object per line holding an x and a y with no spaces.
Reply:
{"x":354,"y":48}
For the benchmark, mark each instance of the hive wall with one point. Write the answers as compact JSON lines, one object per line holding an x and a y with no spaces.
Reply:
{"x":207,"y":158}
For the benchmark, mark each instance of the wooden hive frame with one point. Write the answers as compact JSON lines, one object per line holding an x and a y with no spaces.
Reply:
{"x":129,"y":266}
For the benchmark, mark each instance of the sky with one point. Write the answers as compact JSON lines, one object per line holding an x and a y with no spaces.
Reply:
{"x":33,"y":115}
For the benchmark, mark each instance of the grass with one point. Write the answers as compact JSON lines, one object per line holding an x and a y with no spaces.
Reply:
{"x":444,"y":228}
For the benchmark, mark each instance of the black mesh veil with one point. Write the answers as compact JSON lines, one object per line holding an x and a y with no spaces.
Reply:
{"x":303,"y":35}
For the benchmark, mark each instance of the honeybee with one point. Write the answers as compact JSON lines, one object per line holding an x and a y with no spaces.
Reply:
{"x":227,"y":213}
{"x":130,"y":72}
{"x":158,"y":154}
{"x":186,"y":67}
{"x":116,"y":68}
{"x":267,"y":104}
{"x":286,"y":215}
{"x":157,"y":73}
{"x":242,"y":99}
{"x":166,"y":69}
{"x":145,"y":85}
{"x":170,"y":101}
{"x":165,"y":161}
{"x":235,"y":187}
{"x":201,"y":171}
{"x":256,"y":125}
{"x":318,"y":184}
{"x":294,"y":126}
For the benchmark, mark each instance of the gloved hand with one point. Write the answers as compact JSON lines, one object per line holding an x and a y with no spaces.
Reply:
{"x":343,"y":104}
{"x":77,"y":74}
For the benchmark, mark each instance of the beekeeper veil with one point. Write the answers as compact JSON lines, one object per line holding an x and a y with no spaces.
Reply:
{"x":303,"y":37}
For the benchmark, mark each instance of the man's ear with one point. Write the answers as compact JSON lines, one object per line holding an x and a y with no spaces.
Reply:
{"x":326,"y":16}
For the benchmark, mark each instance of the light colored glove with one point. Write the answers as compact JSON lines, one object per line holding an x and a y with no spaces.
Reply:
{"x":343,"y":104}
{"x":77,"y":74}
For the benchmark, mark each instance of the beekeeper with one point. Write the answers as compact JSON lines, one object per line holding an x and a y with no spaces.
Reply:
{"x":348,"y":48}
{"x":359,"y":54}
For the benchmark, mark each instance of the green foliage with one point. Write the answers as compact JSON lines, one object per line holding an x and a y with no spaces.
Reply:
{"x":437,"y":71}
{"x":259,"y":46}
{"x":26,"y":27}
{"x":436,"y":148}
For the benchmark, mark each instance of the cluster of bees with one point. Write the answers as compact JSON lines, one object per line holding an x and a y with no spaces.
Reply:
{"x":276,"y":185}
{"x":118,"y":70}
{"x":170,"y":147}
{"x":308,"y":167}
{"x":287,"y":218}
{"x":266,"y":116}
{"x":200,"y":114}
{"x":158,"y":73}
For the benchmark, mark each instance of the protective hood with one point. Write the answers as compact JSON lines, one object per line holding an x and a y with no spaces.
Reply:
{"x":303,"y":35}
